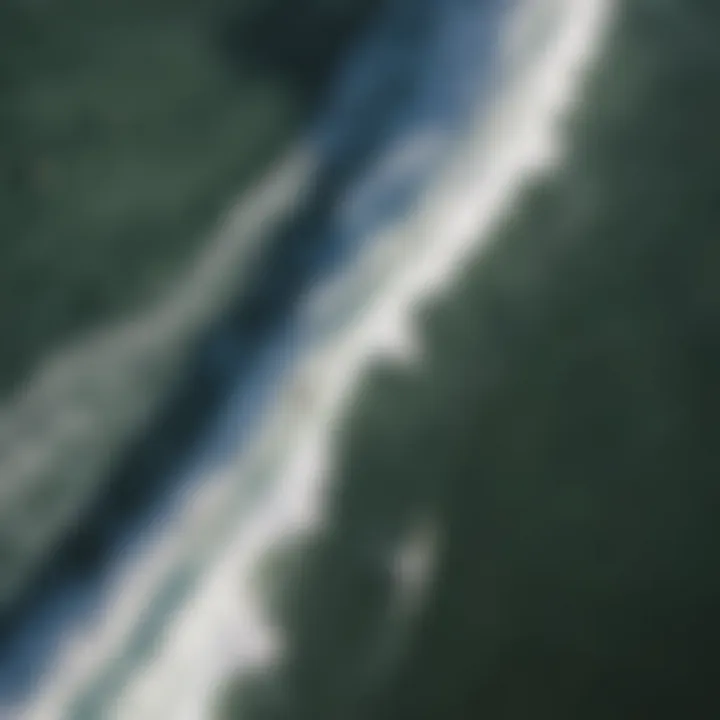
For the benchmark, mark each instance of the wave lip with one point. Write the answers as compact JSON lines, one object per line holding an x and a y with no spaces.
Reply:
{"x":482,"y":178}
{"x":277,"y":488}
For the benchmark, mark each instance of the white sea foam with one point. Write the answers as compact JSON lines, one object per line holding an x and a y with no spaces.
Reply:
{"x":459,"y":212}
{"x":231,"y":523}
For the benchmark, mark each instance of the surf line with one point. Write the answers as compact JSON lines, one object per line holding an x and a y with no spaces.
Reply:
{"x":519,"y":139}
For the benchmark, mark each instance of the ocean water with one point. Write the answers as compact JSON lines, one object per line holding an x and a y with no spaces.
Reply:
{"x":439,"y":480}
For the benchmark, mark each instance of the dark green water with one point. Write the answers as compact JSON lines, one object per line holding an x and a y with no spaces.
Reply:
{"x":563,"y":432}
{"x":126,"y":129}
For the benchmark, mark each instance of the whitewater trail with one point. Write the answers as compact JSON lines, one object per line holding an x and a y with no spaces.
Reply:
{"x":185,"y":610}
